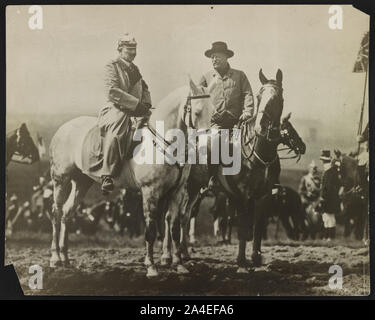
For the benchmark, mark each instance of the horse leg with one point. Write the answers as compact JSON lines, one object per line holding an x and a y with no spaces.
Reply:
{"x":178,"y":224}
{"x":184,"y":236}
{"x":216,"y":228}
{"x":78,"y":191}
{"x":230,"y":223}
{"x":192,"y":239}
{"x":287,"y":226}
{"x":232,"y":213}
{"x":193,"y":212}
{"x":258,"y":230}
{"x":166,"y":257}
{"x":60,"y":193}
{"x":150,"y":206}
{"x":245,"y":227}
{"x":223,"y":228}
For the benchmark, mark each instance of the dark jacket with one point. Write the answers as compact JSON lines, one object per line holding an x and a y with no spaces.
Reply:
{"x":330,"y":191}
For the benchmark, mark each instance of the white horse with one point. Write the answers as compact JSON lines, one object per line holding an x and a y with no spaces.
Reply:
{"x":163,"y":186}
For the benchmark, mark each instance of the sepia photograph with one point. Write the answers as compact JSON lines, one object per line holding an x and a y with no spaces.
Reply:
{"x":187,"y":150}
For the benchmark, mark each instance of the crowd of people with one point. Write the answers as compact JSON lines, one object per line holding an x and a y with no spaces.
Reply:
{"x":320,"y":202}
{"x":124,"y":214}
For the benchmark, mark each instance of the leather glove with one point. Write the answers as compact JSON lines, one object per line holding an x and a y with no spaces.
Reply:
{"x":246,"y":115}
{"x":141,"y":109}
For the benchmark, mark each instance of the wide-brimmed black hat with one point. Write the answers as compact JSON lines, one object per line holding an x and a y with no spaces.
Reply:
{"x":219,"y":46}
{"x":325,"y":155}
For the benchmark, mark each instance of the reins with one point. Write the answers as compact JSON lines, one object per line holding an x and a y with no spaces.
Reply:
{"x":187,"y":109}
{"x":189,"y":124}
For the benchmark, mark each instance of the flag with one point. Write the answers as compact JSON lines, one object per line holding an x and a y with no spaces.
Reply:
{"x":41,"y":146}
{"x":361,"y":63}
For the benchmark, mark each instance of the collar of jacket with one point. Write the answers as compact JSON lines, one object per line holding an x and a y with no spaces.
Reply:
{"x":131,"y":69}
{"x":226,"y":75}
{"x":126,"y":63}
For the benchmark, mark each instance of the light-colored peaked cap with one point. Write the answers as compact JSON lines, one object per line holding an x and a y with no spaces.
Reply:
{"x":127,"y":40}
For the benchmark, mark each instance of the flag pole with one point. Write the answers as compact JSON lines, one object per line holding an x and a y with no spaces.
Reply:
{"x":362,"y":108}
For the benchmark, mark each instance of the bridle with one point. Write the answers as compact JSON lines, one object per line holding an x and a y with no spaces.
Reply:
{"x":267,"y":135}
{"x":285,"y":135}
{"x":187,"y":109}
{"x":189,"y":124}
{"x":270,"y":127}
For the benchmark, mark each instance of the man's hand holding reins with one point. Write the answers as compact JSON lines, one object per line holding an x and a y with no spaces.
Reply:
{"x":246,"y":115}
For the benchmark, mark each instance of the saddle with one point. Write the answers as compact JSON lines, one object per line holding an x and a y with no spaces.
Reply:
{"x":92,"y":149}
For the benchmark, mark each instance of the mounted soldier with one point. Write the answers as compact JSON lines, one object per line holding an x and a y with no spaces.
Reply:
{"x":128,"y":96}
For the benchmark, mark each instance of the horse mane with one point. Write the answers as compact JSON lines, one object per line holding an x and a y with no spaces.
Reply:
{"x":350,"y":169}
{"x":170,"y":104}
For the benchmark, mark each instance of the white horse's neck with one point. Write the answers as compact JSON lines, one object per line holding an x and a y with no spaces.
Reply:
{"x":169,"y":110}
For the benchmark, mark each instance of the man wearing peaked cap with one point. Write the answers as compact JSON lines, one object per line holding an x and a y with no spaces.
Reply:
{"x":128,"y":96}
{"x":309,"y":188}
{"x":330,"y":200}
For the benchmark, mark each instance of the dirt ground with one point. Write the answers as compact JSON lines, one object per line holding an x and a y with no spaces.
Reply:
{"x":115,"y":267}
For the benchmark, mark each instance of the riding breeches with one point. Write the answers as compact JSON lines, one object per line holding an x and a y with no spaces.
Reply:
{"x":114,"y":126}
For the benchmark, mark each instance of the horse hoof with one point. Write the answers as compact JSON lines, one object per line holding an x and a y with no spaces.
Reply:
{"x":165,"y":261}
{"x":185,"y":256}
{"x":182,"y":270}
{"x":257,"y":259}
{"x":66,"y":263}
{"x":152,"y":272}
{"x":192,"y":240}
{"x":176,"y":260}
{"x":55,"y":263}
{"x":242,"y":270}
{"x":148,"y":262}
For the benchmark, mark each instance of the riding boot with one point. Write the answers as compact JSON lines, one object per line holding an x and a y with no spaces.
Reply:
{"x":325,"y":233}
{"x":212,"y":171}
{"x":333,"y":233}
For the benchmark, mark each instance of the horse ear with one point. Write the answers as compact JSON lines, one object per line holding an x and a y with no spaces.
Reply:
{"x":287,"y":117}
{"x":279,"y":77}
{"x":193,"y":88}
{"x":262,"y":77}
{"x":23,"y":129}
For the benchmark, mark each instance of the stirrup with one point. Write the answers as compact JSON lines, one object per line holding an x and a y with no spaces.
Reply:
{"x":212,"y":183}
{"x":107,"y":185}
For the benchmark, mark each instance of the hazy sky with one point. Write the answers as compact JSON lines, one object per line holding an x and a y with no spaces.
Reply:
{"x":60,"y":68}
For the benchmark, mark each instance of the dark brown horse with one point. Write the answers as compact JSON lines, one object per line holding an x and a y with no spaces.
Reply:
{"x":20,"y":147}
{"x":354,"y":194}
{"x":198,"y":178}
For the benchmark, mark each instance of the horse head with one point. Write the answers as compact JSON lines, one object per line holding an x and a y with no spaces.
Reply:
{"x":348,"y":170}
{"x":290,"y":137}
{"x":270,"y":105}
{"x":25,"y":145}
{"x":198,"y":108}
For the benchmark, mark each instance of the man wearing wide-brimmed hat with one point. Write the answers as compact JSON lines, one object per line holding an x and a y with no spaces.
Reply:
{"x":128,"y":96}
{"x":229,"y":88}
{"x":330,"y":200}
{"x":230,"y":93}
